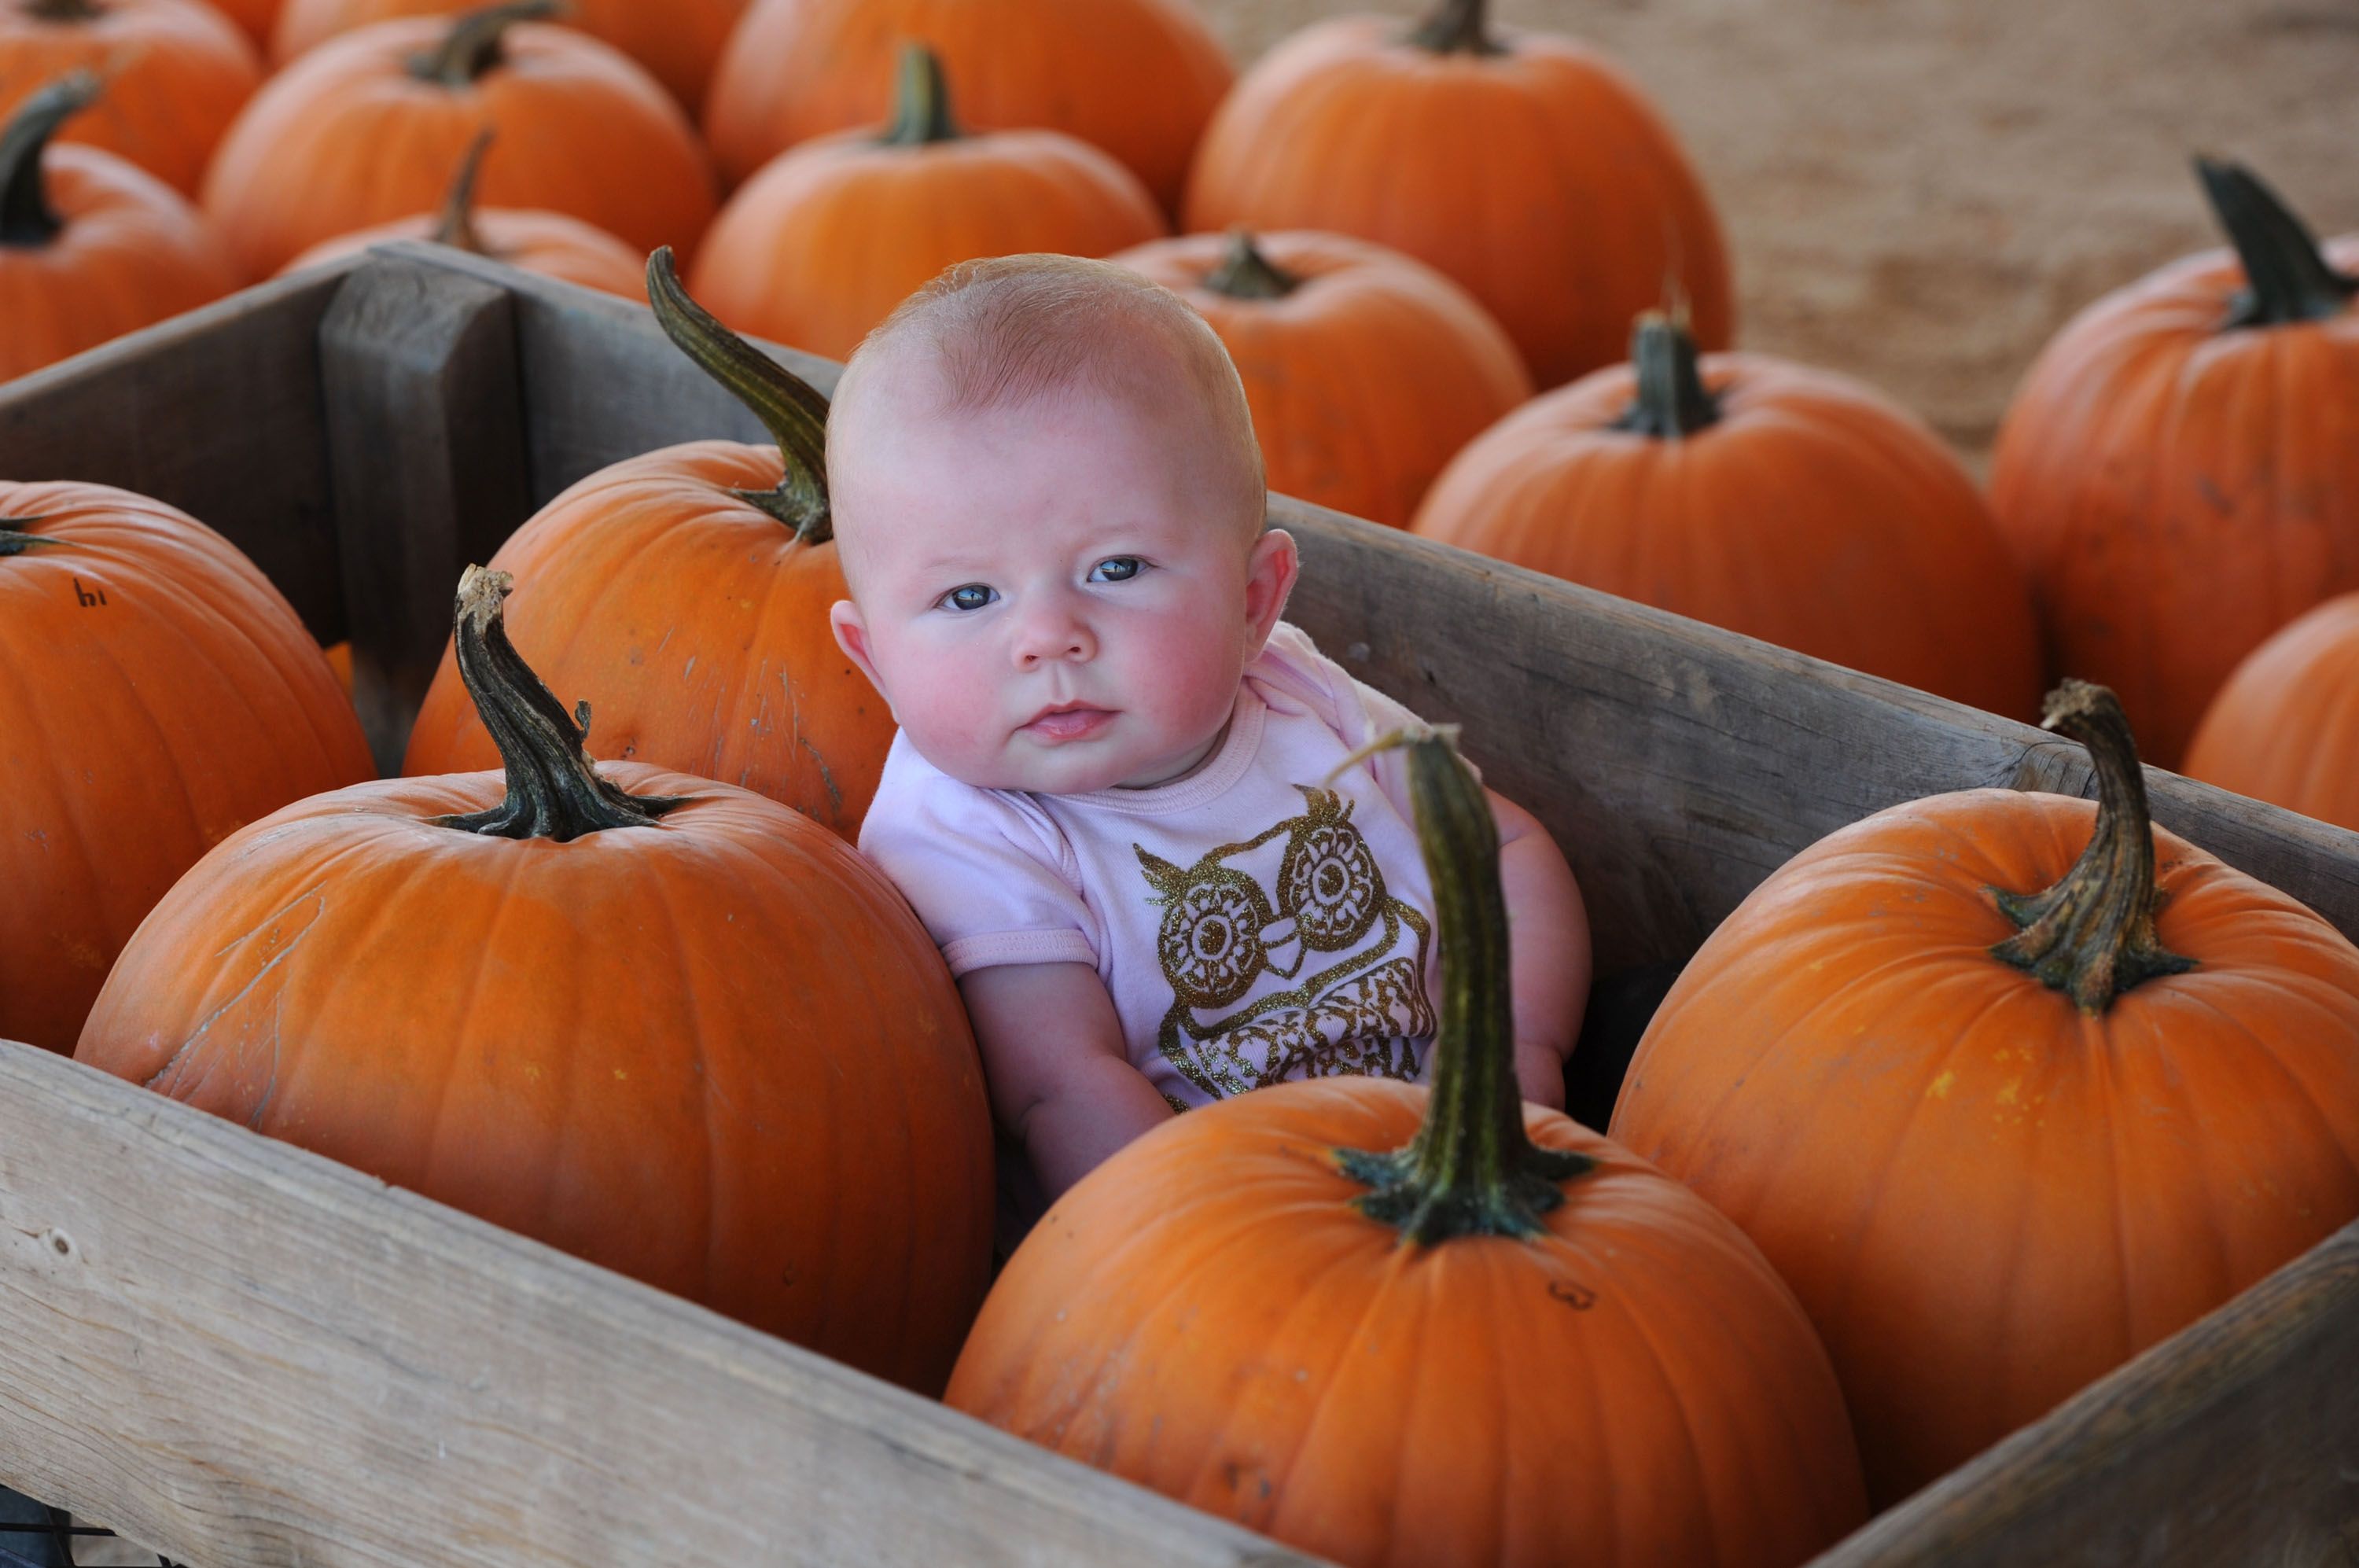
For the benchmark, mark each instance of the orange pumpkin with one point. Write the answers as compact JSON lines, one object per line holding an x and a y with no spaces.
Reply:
{"x":678,"y":40}
{"x":1136,"y":78}
{"x":177,"y":72}
{"x":161,"y":695}
{"x":2180,"y":471}
{"x":548,"y":243}
{"x":90,"y":247}
{"x":2001,"y":1139}
{"x":686,"y":592}
{"x":1402,"y":1328}
{"x":366,"y":128}
{"x":662,"y":1023}
{"x":1788,"y":504}
{"x":2285,"y":727}
{"x":1521,"y":164}
{"x":1366,"y":371}
{"x":821,"y":244}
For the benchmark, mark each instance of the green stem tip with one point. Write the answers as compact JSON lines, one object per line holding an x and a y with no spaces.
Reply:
{"x":1672,"y":402}
{"x":2287,"y":276}
{"x":16,"y":536}
{"x":1456,"y":26}
{"x":473,"y":45}
{"x":457,"y":225}
{"x":921,"y":101}
{"x":1245,"y":274}
{"x":27,"y":219}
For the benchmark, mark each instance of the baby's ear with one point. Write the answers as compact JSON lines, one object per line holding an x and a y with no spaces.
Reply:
{"x":1271,"y":573}
{"x":852,"y":636}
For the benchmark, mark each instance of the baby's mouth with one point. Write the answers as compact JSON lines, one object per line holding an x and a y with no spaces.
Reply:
{"x":1070,"y":722}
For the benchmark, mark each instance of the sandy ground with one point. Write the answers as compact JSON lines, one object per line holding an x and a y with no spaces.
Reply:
{"x":1918,"y":192}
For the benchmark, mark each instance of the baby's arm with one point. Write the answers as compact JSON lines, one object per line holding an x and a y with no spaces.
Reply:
{"x":1060,"y":1079}
{"x":1547,"y":948}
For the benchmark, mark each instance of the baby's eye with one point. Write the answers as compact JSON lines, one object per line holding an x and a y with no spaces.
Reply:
{"x":973,"y":597}
{"x":1117,"y":569}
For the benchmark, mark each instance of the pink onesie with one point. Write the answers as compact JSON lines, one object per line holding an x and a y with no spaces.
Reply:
{"x":1251,"y":925}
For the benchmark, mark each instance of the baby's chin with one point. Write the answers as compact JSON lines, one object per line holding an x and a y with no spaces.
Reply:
{"x":1065,"y":767}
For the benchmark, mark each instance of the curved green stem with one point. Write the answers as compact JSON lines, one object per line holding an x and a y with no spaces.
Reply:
{"x":472,"y":47}
{"x":14,"y":538}
{"x":1245,"y":274}
{"x":457,"y":224}
{"x":2091,"y":935}
{"x":1672,"y":402}
{"x":921,"y":101}
{"x":2288,"y":278}
{"x":554,"y":789}
{"x":788,"y":406}
{"x":1471,"y":1170}
{"x":64,"y":11}
{"x":1456,"y":26}
{"x":27,"y":219}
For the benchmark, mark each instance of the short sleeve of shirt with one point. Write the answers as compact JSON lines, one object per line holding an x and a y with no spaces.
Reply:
{"x":991,"y":878}
{"x":1292,"y":663}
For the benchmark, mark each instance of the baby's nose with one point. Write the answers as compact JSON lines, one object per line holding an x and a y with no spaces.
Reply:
{"x":1048,"y":640}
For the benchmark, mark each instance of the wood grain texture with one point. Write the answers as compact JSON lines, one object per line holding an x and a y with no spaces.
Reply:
{"x":417,"y":369}
{"x":247,"y":1355}
{"x":217,"y":412}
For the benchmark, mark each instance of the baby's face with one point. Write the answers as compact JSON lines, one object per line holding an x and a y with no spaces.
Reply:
{"x":1057,"y":597}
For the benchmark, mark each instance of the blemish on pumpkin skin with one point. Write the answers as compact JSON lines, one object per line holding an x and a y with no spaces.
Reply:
{"x":2011,"y":1093}
{"x":1939,"y":1089}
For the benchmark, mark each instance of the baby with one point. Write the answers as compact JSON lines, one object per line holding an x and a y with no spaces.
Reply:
{"x":1109,"y":798}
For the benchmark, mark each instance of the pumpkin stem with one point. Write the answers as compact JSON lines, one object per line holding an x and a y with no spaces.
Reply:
{"x":64,"y":11}
{"x":921,"y":101}
{"x":1456,"y":26}
{"x":1471,"y":1170}
{"x":794,"y":413}
{"x":472,"y":47}
{"x":2290,"y":277}
{"x":1672,"y":402}
{"x":1245,"y":274}
{"x":27,"y":219}
{"x":15,"y":540}
{"x":2091,"y":935}
{"x":457,"y":226}
{"x":554,"y":789}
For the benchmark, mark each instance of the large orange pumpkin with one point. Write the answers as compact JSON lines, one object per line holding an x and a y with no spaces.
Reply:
{"x":548,"y":243}
{"x":1423,"y":1329}
{"x":2180,"y":469}
{"x":90,"y":247}
{"x":2285,"y":726}
{"x":663,"y":1023}
{"x":1366,"y":370}
{"x":1521,"y":164}
{"x":686,"y":593}
{"x":678,"y":40}
{"x":1788,"y":504}
{"x":160,"y":695}
{"x":366,"y":128}
{"x":1137,"y":78}
{"x":2002,"y":1117}
{"x":177,"y":70}
{"x":826,"y":240}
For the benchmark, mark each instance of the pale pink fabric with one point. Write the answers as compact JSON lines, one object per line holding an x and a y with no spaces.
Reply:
{"x":1250,"y":925}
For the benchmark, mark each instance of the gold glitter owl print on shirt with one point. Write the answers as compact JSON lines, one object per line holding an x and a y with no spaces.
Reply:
{"x":1224,"y":935}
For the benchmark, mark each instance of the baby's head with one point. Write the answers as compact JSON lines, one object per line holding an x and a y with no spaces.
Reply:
{"x":1048,"y":502}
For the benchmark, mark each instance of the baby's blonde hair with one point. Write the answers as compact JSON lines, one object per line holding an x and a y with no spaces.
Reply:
{"x":1011,"y":330}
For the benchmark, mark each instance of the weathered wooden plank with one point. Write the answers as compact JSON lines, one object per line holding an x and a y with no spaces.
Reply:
{"x":2235,"y":1442}
{"x":417,"y":369}
{"x":216,"y":411}
{"x":245,"y":1356}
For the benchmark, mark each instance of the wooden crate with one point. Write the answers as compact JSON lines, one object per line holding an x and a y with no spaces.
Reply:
{"x":245,"y":1355}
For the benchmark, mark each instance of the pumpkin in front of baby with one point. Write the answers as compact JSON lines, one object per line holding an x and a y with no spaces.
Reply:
{"x":685,"y":594}
{"x":828,"y":237}
{"x":661,"y":1023}
{"x":1366,"y":370}
{"x":1393,"y":1326}
{"x":1787,"y":503}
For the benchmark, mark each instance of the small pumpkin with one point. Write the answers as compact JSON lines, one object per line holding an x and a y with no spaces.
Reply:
{"x":1521,"y":164}
{"x":365,"y":129}
{"x":1789,"y":504}
{"x":90,"y":247}
{"x":678,"y":40}
{"x":1136,"y":78}
{"x":1396,"y":1326}
{"x":178,"y":71}
{"x":662,"y":1023}
{"x":687,"y":593}
{"x":2285,"y":726}
{"x":2180,"y":469}
{"x":2004,"y":1117}
{"x":548,"y":243}
{"x":159,"y":694}
{"x":1366,"y":370}
{"x":827,"y":239}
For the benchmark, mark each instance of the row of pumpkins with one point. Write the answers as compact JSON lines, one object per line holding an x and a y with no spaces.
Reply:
{"x":1901,"y":1163}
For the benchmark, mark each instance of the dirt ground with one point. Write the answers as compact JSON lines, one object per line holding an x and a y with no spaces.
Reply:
{"x":1919,"y":192}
